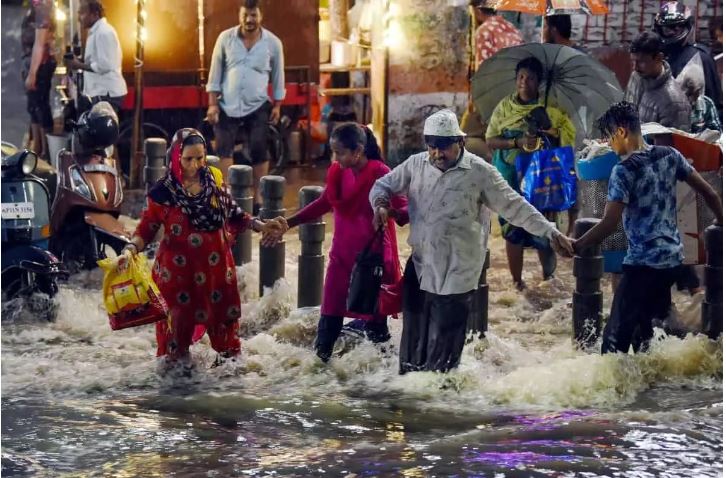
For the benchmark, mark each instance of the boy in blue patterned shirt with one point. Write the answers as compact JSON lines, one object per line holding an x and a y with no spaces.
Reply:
{"x":642,"y":190}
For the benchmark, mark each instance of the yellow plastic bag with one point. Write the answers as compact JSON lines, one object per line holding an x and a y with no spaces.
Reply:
{"x":129,"y":293}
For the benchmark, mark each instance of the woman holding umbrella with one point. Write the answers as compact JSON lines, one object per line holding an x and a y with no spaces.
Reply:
{"x":508,"y":135}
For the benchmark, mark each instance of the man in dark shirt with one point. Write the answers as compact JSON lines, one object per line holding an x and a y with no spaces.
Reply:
{"x":557,"y":29}
{"x":673,"y":24}
{"x":652,"y":88}
{"x":37,"y":31}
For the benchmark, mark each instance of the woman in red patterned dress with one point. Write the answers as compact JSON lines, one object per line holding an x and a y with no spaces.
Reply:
{"x":194,"y":267}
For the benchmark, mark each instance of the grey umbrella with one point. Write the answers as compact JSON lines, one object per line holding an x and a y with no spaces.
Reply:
{"x":575,"y":82}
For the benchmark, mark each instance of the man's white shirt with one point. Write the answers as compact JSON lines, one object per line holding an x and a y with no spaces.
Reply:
{"x":103,"y":54}
{"x":449,"y":217}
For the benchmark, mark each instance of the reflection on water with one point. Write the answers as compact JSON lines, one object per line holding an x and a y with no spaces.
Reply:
{"x":233,"y":434}
{"x":81,"y":400}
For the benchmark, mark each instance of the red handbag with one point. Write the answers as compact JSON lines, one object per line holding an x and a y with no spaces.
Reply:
{"x":390,"y":298}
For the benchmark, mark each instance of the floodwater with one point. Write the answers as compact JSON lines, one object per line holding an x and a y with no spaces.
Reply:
{"x":80,"y":400}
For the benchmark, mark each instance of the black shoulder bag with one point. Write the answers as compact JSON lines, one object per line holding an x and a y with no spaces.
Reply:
{"x":366,"y":279}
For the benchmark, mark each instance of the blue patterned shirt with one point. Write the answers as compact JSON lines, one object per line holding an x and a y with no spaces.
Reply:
{"x":646,"y":183}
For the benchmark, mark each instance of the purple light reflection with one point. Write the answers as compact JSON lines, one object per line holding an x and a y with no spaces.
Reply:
{"x":543,"y":422}
{"x":514,"y":459}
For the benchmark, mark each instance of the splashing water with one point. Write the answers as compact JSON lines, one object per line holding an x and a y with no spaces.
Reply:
{"x":83,"y":400}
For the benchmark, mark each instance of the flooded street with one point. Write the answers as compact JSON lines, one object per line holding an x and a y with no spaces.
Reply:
{"x":81,"y":400}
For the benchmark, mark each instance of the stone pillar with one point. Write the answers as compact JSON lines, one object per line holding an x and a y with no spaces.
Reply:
{"x":712,"y":307}
{"x":587,"y":298}
{"x":272,"y":259}
{"x":213,"y":161}
{"x":478,"y":321}
{"x":155,"y":168}
{"x":240,"y":184}
{"x":311,"y":263}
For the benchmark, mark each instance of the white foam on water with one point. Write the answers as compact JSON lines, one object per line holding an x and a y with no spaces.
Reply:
{"x":274,"y":306}
{"x":527,"y":360}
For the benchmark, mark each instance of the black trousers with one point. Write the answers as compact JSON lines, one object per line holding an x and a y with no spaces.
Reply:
{"x":644,"y":293}
{"x":330,"y":326}
{"x":38,"y":100}
{"x":687,"y":278}
{"x":434,"y":327}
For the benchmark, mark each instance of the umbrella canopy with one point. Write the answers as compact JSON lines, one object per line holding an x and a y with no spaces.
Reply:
{"x":575,"y":82}
{"x":552,"y":7}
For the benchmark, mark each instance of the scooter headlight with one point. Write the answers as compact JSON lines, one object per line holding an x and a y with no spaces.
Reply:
{"x":21,"y":163}
{"x":28,"y":162}
{"x":79,"y":184}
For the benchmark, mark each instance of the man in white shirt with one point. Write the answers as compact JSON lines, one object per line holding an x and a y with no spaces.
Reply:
{"x":450,"y":193}
{"x":101,"y":65}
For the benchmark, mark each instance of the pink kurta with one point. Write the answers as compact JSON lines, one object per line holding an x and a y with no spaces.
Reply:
{"x":353,"y":231}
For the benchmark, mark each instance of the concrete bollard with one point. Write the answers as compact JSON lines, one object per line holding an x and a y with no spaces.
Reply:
{"x":311,"y":263}
{"x":587,"y":298}
{"x":478,"y":321}
{"x":272,"y":259}
{"x":213,"y":161}
{"x":712,"y":307}
{"x":155,"y":168}
{"x":240,"y":185}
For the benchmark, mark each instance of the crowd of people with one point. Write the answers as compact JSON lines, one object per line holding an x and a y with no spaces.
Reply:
{"x":445,"y":193}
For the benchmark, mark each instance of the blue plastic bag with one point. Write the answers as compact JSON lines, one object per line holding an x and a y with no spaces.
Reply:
{"x":547,"y":178}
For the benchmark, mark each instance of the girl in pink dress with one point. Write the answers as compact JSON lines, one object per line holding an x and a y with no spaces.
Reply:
{"x":357,"y":165}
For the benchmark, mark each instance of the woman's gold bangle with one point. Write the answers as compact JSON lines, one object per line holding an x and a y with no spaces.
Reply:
{"x":537,"y":146}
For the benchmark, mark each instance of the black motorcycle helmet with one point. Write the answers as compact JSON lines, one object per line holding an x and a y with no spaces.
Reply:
{"x":673,"y":15}
{"x":97,"y":128}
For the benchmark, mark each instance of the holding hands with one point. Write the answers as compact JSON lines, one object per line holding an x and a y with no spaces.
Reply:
{"x":563,"y":245}
{"x":272,"y":231}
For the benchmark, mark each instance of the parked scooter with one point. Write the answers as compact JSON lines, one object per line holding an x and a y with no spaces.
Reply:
{"x":84,"y":216}
{"x":27,"y":265}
